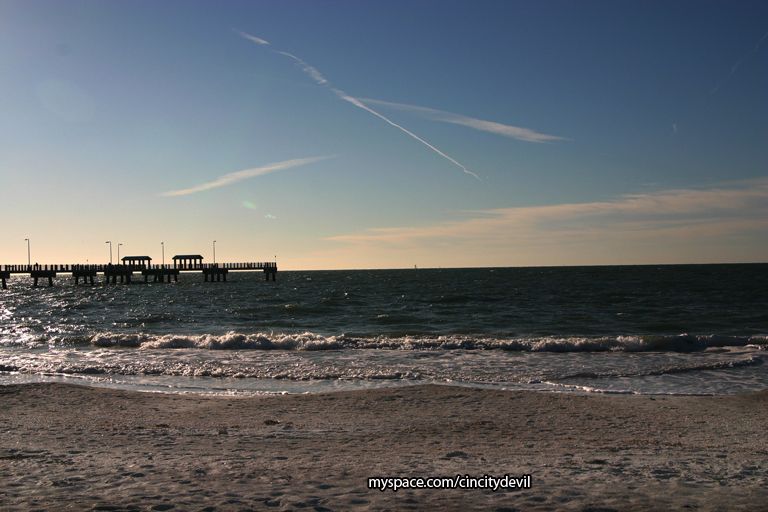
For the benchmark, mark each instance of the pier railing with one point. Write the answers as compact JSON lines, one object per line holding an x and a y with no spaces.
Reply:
{"x":26,"y":269}
{"x":159,"y":273}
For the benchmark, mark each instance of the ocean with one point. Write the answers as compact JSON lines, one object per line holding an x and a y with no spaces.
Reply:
{"x":682,"y":329}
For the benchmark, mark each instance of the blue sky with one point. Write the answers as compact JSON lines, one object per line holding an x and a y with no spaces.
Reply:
{"x":601,"y":132}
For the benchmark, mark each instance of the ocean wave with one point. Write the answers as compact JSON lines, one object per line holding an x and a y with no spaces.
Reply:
{"x":228,"y":341}
{"x":648,"y":343}
{"x":533,"y":363}
{"x":312,"y":341}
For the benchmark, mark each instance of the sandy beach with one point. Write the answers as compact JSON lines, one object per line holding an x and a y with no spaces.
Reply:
{"x":67,"y":447}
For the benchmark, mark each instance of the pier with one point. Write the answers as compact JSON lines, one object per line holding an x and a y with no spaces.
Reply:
{"x":140,"y":265}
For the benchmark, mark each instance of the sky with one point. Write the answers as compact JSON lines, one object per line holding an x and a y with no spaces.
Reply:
{"x":385,"y":134}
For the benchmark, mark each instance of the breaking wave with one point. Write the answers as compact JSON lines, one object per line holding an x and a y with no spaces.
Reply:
{"x":311,"y":341}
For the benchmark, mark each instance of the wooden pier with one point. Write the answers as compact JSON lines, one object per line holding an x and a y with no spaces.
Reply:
{"x":124,"y":272}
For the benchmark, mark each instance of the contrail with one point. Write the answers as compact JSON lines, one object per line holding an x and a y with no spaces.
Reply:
{"x":505,"y":130}
{"x":310,"y":70}
{"x":738,"y":64}
{"x":318,"y":77}
{"x":251,"y":38}
{"x":344,"y":96}
{"x":234,"y":177}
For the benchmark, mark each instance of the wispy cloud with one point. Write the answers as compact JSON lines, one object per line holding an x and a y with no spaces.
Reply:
{"x":738,"y":64}
{"x":312,"y":71}
{"x":504,"y":130}
{"x":251,"y":38}
{"x":642,"y":227}
{"x":356,"y":102}
{"x":234,"y":177}
{"x":318,"y":77}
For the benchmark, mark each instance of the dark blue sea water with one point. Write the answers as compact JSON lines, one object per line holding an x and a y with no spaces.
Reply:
{"x":696,"y":329}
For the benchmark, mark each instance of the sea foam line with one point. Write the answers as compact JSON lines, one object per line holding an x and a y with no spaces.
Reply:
{"x":311,"y":341}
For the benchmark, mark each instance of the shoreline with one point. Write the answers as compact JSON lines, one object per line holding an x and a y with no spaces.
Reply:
{"x":250,"y":392}
{"x":66,"y":446}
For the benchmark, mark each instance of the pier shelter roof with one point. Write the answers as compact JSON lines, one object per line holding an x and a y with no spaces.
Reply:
{"x":187,"y":257}
{"x":135,"y":258}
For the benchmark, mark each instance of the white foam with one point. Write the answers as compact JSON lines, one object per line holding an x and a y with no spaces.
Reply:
{"x":312,"y":341}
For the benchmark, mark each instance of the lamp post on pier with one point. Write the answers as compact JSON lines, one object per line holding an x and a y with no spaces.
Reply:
{"x":110,"y":250}
{"x":162,"y":248}
{"x":118,"y":252}
{"x":29,"y":257}
{"x":214,"y":252}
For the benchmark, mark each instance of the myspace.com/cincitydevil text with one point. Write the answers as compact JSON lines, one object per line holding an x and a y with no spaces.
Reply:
{"x":493,"y":483}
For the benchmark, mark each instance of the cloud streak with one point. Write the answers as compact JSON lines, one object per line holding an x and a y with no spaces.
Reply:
{"x":726,"y":223}
{"x":234,"y":177}
{"x":356,"y":102}
{"x":504,"y":130}
{"x":251,"y":38}
{"x":319,"y":79}
{"x":738,"y":64}
{"x":312,"y":71}
{"x":670,"y":213}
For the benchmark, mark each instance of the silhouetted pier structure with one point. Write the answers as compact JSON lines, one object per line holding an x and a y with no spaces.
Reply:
{"x":123,"y":272}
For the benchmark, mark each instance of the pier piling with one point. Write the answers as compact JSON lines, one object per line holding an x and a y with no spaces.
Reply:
{"x":37,"y":274}
{"x":215,"y":273}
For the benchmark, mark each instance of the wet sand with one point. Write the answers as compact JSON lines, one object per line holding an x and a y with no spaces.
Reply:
{"x":66,"y":447}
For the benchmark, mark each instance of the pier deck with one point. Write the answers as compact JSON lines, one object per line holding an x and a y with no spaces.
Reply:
{"x":123,"y":273}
